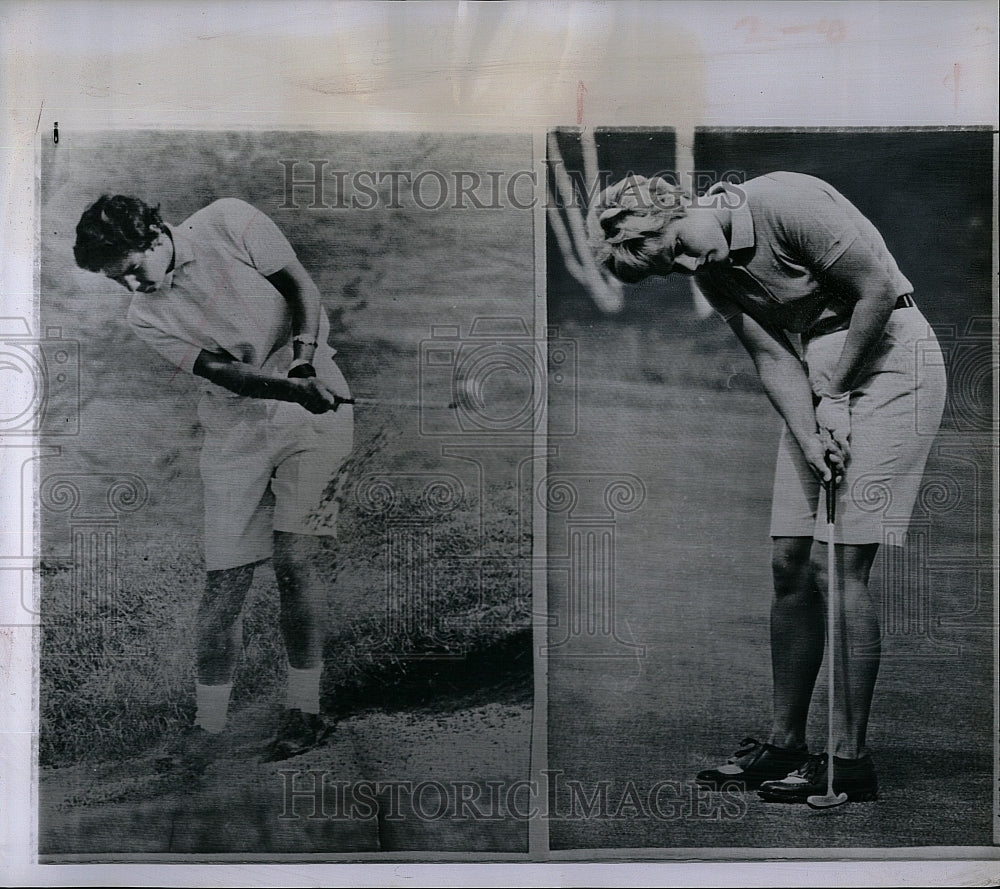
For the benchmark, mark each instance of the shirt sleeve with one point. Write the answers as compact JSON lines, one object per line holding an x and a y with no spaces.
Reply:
{"x":266,"y":248}
{"x":814,"y":230}
{"x":860,"y":264}
{"x":178,"y":352}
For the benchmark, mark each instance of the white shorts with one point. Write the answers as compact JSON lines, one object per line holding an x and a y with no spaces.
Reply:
{"x":895,"y":412}
{"x":266,"y":466}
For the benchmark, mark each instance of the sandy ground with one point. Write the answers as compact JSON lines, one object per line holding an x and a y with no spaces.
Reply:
{"x":243,"y":806}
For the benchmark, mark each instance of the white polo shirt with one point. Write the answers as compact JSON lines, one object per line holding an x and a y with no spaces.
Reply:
{"x":217,"y":297}
{"x":788,"y":229}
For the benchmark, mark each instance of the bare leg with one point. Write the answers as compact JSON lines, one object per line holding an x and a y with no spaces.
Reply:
{"x":302,"y":584}
{"x":303,"y":597}
{"x":218,"y":623}
{"x":858,"y":646}
{"x":797,"y":634}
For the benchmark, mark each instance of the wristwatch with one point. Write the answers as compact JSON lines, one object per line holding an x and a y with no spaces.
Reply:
{"x":301,"y":369}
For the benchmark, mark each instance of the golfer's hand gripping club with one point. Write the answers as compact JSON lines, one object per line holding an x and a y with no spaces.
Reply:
{"x":316,"y":397}
{"x":833,"y":420}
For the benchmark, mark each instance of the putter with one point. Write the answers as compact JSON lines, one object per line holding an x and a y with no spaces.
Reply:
{"x":831,"y":799}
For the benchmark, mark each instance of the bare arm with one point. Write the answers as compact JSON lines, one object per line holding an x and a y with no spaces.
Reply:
{"x":865,"y":284}
{"x":294,"y":283}
{"x":787,"y":385}
{"x":243,"y":379}
{"x":858,"y":274}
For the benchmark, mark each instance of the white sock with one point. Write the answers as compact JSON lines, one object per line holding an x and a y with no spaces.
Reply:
{"x":303,"y":689}
{"x":213,"y":706}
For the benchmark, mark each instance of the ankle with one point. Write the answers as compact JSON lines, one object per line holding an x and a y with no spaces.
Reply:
{"x":787,"y":741}
{"x":848,"y":751}
{"x":851,"y":760}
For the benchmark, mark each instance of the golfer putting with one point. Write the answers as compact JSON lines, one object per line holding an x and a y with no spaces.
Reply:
{"x":810,"y":289}
{"x":223,"y":296}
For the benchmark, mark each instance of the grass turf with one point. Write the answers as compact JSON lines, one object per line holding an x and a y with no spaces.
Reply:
{"x":692,"y":585}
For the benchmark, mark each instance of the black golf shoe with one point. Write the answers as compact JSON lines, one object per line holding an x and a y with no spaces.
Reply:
{"x":191,"y":753}
{"x":855,"y":777}
{"x":751,"y":765}
{"x":297,"y":733}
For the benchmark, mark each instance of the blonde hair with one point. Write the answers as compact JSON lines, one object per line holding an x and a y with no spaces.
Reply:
{"x":627,"y":222}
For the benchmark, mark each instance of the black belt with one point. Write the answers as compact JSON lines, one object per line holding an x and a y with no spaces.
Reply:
{"x":832,"y":325}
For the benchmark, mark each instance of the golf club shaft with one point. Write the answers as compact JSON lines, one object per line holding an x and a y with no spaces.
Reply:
{"x":388,"y":402}
{"x":831,"y":570}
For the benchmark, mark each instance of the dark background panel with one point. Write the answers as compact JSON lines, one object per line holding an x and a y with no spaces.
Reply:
{"x":619,"y":153}
{"x":929,"y":192}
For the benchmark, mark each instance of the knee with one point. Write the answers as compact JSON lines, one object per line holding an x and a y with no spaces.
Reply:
{"x":792,"y":567}
{"x":225,"y":591}
{"x":858,"y":560}
{"x":293,"y":551}
{"x":217,"y":614}
{"x":818,"y":566}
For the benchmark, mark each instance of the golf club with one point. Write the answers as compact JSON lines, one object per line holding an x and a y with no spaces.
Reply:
{"x":830,"y":799}
{"x":382,"y":402}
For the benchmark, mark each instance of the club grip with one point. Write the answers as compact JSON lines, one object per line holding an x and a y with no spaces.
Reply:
{"x":831,"y":500}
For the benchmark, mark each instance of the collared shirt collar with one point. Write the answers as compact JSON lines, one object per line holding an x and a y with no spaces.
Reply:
{"x":183,"y":250}
{"x":741,"y":233}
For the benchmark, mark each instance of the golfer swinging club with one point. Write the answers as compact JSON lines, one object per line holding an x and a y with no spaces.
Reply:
{"x":783,"y":255}
{"x":223,"y":296}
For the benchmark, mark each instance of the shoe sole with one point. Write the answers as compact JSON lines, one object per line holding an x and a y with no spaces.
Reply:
{"x":743,"y":783}
{"x":282,"y":750}
{"x":719,"y":786}
{"x":177,"y":763}
{"x":858,"y":796}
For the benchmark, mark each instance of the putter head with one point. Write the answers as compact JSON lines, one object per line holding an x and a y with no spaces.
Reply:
{"x":828,"y":800}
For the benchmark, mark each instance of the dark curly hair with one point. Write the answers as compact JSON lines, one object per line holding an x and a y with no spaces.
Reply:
{"x":112,"y":227}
